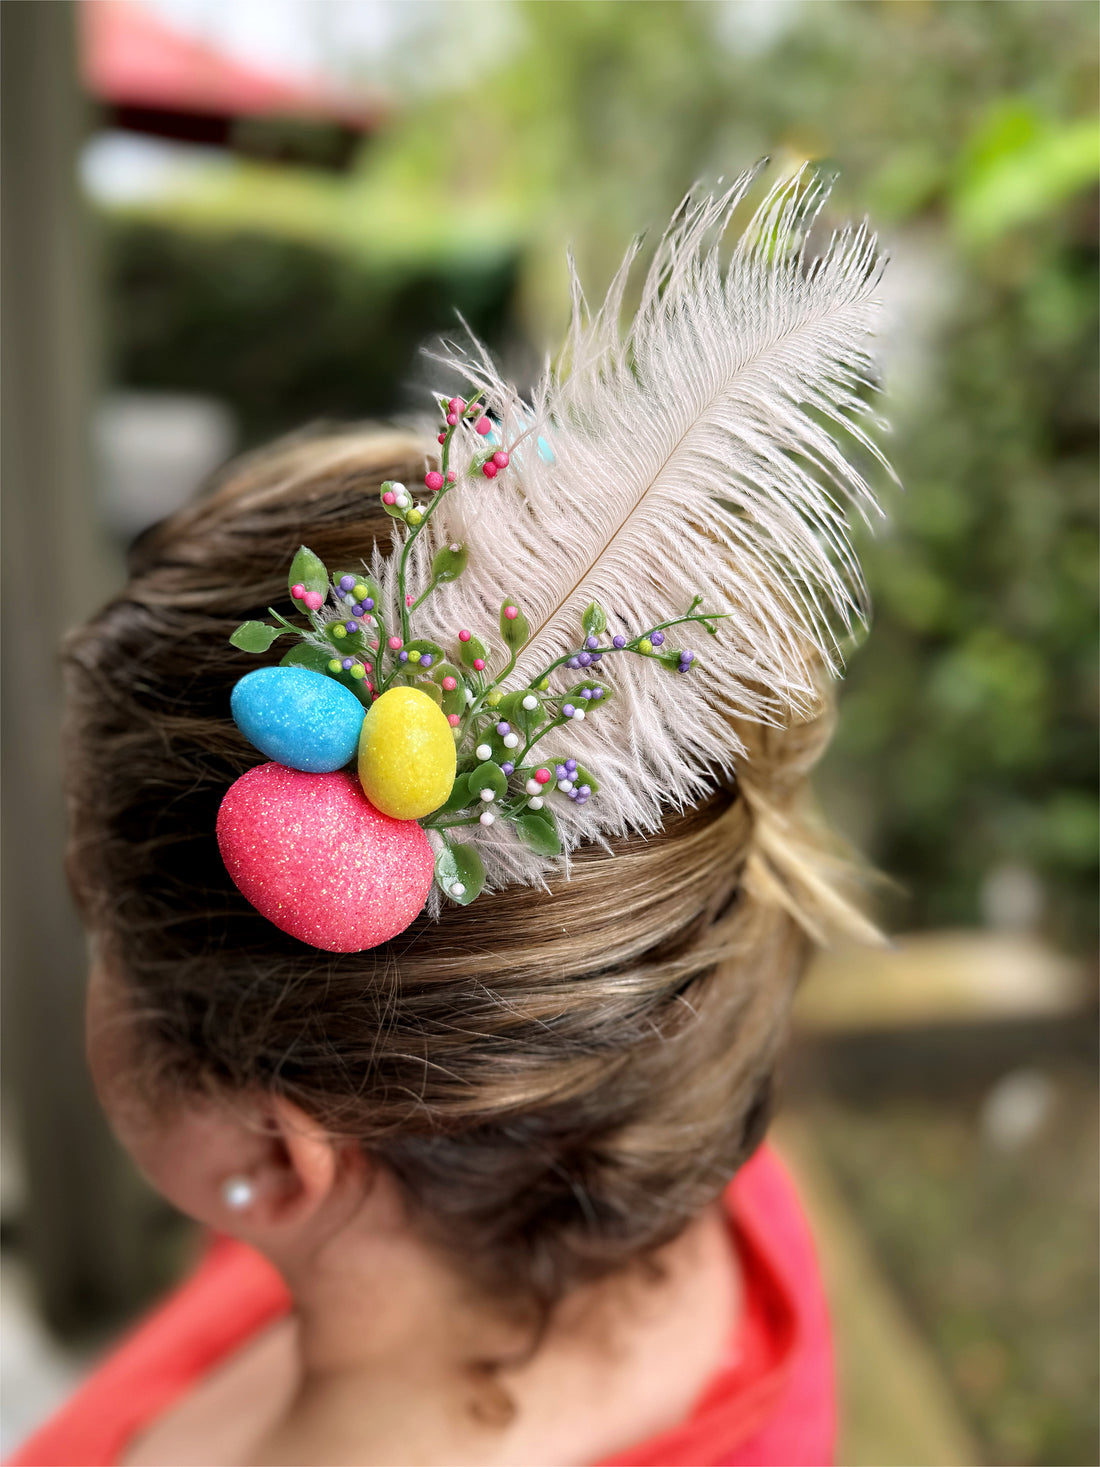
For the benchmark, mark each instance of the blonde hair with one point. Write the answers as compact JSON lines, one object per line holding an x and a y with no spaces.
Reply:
{"x":560,"y":1081}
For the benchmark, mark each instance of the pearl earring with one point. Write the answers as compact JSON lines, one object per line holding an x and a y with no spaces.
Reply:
{"x":238,"y":1193}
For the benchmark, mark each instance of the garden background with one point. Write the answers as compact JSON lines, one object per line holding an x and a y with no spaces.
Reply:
{"x":287,"y":268}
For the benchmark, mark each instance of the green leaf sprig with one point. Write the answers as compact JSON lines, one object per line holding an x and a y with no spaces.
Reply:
{"x":502,"y":775}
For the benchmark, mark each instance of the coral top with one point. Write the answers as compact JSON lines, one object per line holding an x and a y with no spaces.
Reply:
{"x":770,"y":1403}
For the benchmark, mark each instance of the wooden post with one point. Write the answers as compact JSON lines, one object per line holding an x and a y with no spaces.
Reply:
{"x":83,"y":1224}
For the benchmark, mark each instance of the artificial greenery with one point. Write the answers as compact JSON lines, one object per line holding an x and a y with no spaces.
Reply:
{"x":501,"y":773}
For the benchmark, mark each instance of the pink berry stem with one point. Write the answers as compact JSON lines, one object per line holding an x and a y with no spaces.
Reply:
{"x":415,"y":530}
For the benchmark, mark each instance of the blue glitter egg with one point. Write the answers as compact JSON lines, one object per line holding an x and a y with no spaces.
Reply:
{"x":298,"y":718}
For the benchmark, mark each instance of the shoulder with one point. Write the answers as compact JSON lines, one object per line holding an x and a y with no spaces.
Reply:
{"x":772,"y":1404}
{"x":231,"y":1296}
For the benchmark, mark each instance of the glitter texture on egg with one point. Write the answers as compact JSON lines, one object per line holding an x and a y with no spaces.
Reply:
{"x":315,"y":857}
{"x":298,"y":718}
{"x":406,"y":754}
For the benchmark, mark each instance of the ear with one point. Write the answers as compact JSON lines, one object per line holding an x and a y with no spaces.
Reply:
{"x":257,"y":1167}
{"x":299,"y":1173}
{"x":250,"y":1164}
{"x":298,"y":1185}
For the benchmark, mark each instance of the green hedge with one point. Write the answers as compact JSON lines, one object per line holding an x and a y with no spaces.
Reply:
{"x":284,"y":332}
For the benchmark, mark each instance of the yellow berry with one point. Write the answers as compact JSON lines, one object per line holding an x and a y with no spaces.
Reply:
{"x":495,"y":698}
{"x":360,"y":592}
{"x":544,"y":685}
{"x":414,"y":516}
{"x":414,"y":656}
{"x":645,"y":645}
{"x":339,"y":630}
{"x":335,"y":665}
{"x":358,"y":670}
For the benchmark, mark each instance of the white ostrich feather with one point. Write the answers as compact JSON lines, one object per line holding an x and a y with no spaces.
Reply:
{"x":702,"y":451}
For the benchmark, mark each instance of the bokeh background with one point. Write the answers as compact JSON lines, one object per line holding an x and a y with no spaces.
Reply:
{"x":225,"y":219}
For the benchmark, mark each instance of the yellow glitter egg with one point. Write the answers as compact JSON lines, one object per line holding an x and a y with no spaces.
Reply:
{"x":406,"y":754}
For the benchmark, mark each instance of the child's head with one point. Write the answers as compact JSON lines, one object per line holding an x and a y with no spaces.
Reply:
{"x":557,"y":1081}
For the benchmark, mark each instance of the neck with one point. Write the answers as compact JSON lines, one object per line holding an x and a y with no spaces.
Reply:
{"x":363,"y":1303}
{"x":390,"y":1341}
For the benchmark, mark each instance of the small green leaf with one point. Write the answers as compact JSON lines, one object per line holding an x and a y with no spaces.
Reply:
{"x":351,"y":644}
{"x":433,"y":690}
{"x":361,"y":580}
{"x":393,"y":511}
{"x":499,"y":755}
{"x":469,"y":651}
{"x":582,"y":776}
{"x":449,"y":563}
{"x":460,"y":865}
{"x":576,"y":695}
{"x":514,"y":629}
{"x":524,"y":719}
{"x":433,"y":649}
{"x":255,"y":636}
{"x":308,"y":570}
{"x":307,"y":655}
{"x":489,"y":776}
{"x":539,"y":833}
{"x":594,"y":620}
{"x":455,"y":700}
{"x":579,"y":776}
{"x":459,"y":797}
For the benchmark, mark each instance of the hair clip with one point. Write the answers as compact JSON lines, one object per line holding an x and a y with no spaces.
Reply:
{"x":683,"y":480}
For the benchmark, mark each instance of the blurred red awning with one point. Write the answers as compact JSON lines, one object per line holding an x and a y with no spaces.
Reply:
{"x":158,"y":79}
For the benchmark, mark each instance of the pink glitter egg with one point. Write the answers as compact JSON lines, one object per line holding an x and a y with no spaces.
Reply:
{"x":313,"y":856}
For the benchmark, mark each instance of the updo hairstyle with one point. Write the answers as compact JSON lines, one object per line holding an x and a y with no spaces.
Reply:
{"x":559,"y":1080}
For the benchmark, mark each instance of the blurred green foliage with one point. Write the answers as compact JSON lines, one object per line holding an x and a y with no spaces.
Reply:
{"x":966,"y":130}
{"x":969,"y":717}
{"x":287,"y":333}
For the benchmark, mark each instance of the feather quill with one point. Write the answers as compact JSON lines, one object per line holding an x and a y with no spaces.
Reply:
{"x":702,"y":451}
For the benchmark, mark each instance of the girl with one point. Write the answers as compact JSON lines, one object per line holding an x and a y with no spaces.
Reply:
{"x":493,"y":1190}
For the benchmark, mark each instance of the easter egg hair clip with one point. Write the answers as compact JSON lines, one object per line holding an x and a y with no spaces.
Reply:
{"x":676,"y":485}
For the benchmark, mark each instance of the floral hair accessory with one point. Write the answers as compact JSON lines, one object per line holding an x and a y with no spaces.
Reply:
{"x":513,"y":679}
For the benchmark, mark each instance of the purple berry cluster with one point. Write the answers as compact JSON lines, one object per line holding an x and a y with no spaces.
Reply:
{"x":566,"y":776}
{"x":346,"y":586}
{"x":589,"y":656}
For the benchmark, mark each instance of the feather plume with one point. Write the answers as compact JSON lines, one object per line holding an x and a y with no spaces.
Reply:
{"x":700,"y":451}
